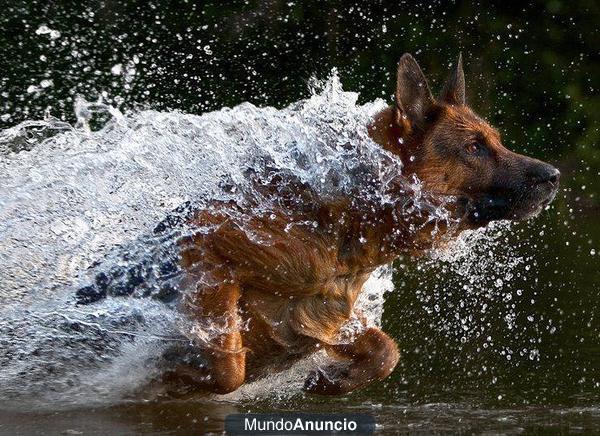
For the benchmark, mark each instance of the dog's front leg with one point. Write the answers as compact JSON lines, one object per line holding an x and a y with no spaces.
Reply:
{"x":224,"y":352}
{"x":370,"y":357}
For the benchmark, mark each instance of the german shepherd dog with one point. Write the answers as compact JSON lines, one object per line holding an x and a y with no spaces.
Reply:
{"x":279,"y":301}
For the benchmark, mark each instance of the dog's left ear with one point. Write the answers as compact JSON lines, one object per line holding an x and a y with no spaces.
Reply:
{"x":413,"y":97}
{"x":454,"y":89}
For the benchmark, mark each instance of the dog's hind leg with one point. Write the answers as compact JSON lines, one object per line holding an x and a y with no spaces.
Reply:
{"x":370,"y":357}
{"x":224,"y":351}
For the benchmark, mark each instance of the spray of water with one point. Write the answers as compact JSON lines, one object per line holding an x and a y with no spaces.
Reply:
{"x":80,"y":205}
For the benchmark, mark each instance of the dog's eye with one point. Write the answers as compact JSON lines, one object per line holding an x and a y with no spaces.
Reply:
{"x":474,"y":148}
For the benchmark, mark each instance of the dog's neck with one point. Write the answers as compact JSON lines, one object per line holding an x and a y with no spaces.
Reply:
{"x":376,"y":234}
{"x":369,"y":234}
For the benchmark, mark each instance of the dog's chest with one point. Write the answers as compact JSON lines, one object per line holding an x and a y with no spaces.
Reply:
{"x":292,"y":320}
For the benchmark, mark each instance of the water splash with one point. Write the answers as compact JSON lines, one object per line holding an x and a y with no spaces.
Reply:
{"x":77,"y":203}
{"x":473,"y":291}
{"x":82,"y":202}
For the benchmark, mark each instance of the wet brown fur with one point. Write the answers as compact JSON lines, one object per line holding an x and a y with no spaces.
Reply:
{"x":288,"y":295}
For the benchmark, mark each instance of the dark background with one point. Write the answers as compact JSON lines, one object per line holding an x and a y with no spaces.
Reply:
{"x":532,"y":66}
{"x":532,"y":69}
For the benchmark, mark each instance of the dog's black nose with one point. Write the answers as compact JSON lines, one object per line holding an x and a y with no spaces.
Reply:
{"x":544,"y":173}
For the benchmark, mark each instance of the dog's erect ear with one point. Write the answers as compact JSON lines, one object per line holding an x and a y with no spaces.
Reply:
{"x":454,"y":89}
{"x":413,"y":97}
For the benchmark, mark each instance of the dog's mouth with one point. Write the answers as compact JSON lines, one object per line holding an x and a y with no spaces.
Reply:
{"x":480,"y":210}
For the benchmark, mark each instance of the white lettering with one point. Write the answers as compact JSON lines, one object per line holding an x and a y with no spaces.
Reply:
{"x":250,"y":426}
{"x":299,"y":425}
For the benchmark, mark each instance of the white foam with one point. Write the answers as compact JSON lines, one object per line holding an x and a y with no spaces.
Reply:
{"x":72,"y":196}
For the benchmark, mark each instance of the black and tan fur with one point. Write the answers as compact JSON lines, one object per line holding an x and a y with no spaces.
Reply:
{"x":285,"y":298}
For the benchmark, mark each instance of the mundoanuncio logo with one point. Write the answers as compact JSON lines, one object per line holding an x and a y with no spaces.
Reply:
{"x":299,"y":423}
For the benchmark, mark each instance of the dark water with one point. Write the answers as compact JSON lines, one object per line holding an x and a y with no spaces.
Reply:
{"x":527,"y":361}
{"x":207,"y":417}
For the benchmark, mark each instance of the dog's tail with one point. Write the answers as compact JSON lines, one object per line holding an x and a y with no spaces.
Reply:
{"x":149,"y":270}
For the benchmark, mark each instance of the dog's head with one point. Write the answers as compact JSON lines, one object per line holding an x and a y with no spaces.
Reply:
{"x":455,"y":152}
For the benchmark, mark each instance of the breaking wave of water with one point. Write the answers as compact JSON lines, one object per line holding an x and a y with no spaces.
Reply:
{"x":77,"y":204}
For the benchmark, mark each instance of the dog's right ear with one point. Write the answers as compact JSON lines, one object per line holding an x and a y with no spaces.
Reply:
{"x":413,"y":97}
{"x":454,"y":88}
